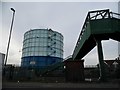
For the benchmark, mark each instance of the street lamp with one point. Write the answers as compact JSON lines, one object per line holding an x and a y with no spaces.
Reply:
{"x":10,"y":34}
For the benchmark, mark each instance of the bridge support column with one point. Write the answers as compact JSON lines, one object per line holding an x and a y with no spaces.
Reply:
{"x":101,"y":61}
{"x":74,"y":71}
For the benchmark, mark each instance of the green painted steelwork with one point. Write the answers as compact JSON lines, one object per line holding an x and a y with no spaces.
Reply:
{"x":103,"y":28}
{"x":99,"y":25}
{"x":101,"y":61}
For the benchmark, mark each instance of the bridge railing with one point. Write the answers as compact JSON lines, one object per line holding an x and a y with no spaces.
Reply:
{"x":114,"y":15}
{"x":94,"y":15}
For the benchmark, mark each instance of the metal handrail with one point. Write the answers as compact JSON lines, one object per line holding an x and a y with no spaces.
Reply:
{"x":113,"y":13}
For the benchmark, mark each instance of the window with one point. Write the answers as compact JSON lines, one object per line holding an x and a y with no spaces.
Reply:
{"x":32,"y":48}
{"x":37,"y":44}
{"x":43,"y":53}
{"x":36,"y":53}
{"x":36,"y":49}
{"x":42,"y":35}
{"x":32,"y":53}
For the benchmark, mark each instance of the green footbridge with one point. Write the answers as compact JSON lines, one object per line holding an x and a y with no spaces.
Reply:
{"x":99,"y":25}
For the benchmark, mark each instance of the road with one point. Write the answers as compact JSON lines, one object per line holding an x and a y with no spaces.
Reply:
{"x":35,"y":85}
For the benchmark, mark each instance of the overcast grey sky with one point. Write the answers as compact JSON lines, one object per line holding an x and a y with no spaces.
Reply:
{"x":64,"y":17}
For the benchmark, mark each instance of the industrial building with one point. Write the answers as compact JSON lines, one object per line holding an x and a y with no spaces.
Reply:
{"x":2,"y":57}
{"x":42,"y":48}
